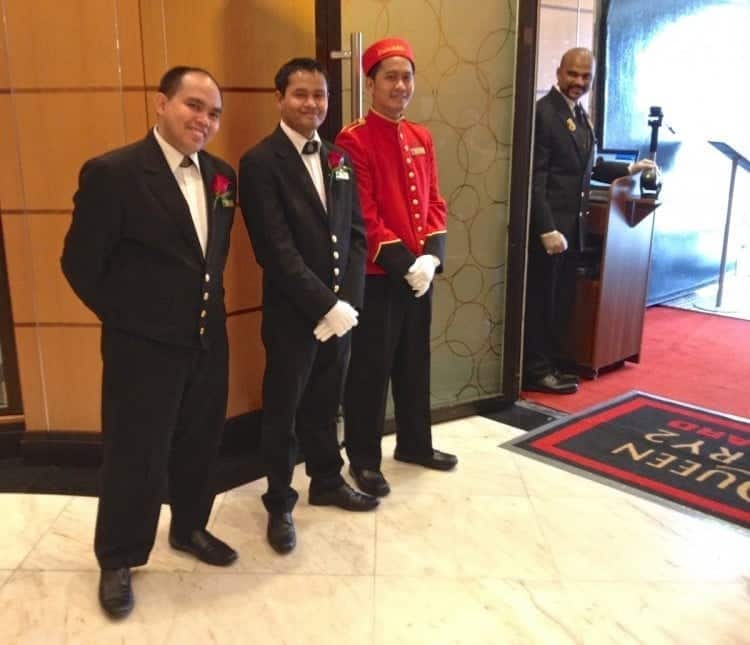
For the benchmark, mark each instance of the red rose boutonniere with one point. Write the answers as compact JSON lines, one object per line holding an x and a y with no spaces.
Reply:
{"x":220,"y":189}
{"x":336,"y":163}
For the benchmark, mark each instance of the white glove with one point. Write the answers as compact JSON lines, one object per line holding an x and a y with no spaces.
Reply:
{"x":322,"y":331}
{"x":421,"y":274}
{"x":341,"y":318}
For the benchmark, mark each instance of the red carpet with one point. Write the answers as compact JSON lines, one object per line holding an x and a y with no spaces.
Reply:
{"x":688,"y":356}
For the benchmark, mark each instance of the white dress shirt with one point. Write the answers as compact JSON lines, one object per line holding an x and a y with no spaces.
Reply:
{"x":311,"y":161}
{"x":191,"y":184}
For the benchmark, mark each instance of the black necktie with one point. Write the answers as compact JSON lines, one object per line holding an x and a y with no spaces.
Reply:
{"x":580,"y":118}
{"x":186,"y":162}
{"x":583,"y":129}
{"x":310,"y":148}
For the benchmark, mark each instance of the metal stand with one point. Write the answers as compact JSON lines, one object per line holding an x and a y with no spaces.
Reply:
{"x":737,"y":160}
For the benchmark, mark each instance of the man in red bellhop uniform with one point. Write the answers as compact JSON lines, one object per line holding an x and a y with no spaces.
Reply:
{"x":405,"y":219}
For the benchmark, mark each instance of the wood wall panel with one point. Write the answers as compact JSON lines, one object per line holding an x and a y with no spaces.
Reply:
{"x":56,"y":137}
{"x":135,"y":113}
{"x":131,"y":44}
{"x":247,"y":360}
{"x":154,"y":46}
{"x":241,"y":42}
{"x":19,"y":267}
{"x":248,"y":118}
{"x":73,"y":371}
{"x":55,"y":301}
{"x":71,"y":362}
{"x":30,"y":375}
{"x":4,"y":78}
{"x":11,"y":189}
{"x":43,"y":50}
{"x":242,"y":277}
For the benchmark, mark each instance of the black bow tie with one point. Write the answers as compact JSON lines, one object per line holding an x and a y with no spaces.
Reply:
{"x":310,"y":148}
{"x":186,"y":162}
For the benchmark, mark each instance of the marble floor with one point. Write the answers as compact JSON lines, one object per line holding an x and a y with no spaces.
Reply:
{"x":503,"y":550}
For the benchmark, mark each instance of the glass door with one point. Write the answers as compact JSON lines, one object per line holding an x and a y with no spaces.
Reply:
{"x":465,"y":70}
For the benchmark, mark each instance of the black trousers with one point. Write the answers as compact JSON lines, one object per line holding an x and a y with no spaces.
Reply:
{"x":301,"y":394}
{"x":550,"y":294}
{"x":391,"y":343}
{"x":163,"y":413}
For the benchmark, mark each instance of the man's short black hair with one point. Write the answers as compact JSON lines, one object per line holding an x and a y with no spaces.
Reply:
{"x":374,"y":69}
{"x":281,"y":80}
{"x":172,"y":80}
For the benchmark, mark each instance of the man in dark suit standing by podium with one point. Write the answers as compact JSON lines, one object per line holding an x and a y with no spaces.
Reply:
{"x":564,"y":147}
{"x":299,"y":200}
{"x":146,"y":252}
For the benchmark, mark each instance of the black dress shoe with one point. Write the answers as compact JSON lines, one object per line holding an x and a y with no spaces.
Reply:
{"x":551,"y":384}
{"x":115,"y":592}
{"x":281,"y":535}
{"x":371,"y":482}
{"x":437,"y":460}
{"x":205,"y":547}
{"x":344,"y":497}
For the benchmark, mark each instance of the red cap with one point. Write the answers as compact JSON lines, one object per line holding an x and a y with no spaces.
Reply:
{"x":383,"y":49}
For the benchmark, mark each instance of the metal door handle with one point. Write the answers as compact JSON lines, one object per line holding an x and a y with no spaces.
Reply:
{"x":355,"y":56}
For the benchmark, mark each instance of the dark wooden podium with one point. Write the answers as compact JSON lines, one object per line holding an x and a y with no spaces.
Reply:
{"x":606,"y":324}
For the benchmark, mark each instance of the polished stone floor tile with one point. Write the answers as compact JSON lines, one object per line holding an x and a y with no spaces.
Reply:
{"x":472,"y":427}
{"x":638,"y":540}
{"x":26,"y":518}
{"x":47,"y":608}
{"x":471,"y":611}
{"x":272,"y":609}
{"x":68,"y":544}
{"x":503,"y":550}
{"x":471,"y":536}
{"x":695,"y":612}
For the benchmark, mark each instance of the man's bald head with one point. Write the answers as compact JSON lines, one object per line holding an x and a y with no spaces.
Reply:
{"x":576,"y":72}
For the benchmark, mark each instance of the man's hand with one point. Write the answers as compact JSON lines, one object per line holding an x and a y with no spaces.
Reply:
{"x":339,"y":320}
{"x":638,"y":166}
{"x":421,"y":274}
{"x":554,"y":242}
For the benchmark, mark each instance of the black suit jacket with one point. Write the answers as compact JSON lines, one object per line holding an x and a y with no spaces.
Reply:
{"x":563,"y":168}
{"x":310,"y":257}
{"x":132,"y":254}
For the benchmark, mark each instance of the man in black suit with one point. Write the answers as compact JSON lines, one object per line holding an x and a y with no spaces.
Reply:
{"x":564,"y":146}
{"x":299,"y":200}
{"x":146,"y":252}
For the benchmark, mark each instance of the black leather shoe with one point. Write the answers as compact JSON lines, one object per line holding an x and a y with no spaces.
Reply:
{"x":115,"y":592}
{"x":551,"y":384}
{"x":371,"y":482}
{"x":437,"y":460}
{"x":206,"y":548}
{"x":281,"y":535}
{"x":344,"y":497}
